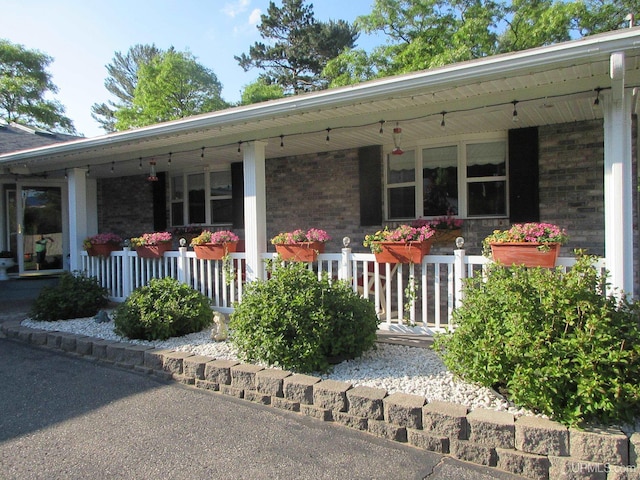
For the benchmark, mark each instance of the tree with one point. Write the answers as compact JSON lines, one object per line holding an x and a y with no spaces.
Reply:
{"x":24,"y":82}
{"x":424,"y":34}
{"x":122,"y":82}
{"x":260,"y":91}
{"x":298,"y":47}
{"x":171,"y":86}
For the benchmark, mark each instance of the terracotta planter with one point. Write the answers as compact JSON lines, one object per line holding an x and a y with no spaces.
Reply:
{"x":214,"y":251}
{"x":153,"y":251}
{"x":445,"y":237}
{"x":525,"y":253}
{"x":300,"y":252}
{"x":400,"y":252}
{"x":103,"y":250}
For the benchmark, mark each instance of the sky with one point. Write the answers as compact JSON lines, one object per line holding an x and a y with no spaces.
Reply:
{"x":82,"y":36}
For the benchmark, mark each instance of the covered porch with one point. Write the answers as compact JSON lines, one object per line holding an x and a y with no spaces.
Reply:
{"x":347,"y":133}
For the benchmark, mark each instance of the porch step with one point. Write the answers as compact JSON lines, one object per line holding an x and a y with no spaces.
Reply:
{"x":411,"y":340}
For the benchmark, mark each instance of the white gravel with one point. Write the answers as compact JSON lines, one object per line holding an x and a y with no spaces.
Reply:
{"x":395,"y":368}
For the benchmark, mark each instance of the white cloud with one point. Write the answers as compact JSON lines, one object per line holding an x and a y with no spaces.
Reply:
{"x":254,"y":16}
{"x":236,"y":8}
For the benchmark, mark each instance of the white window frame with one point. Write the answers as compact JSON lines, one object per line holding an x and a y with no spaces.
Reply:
{"x":461,"y":143}
{"x":207,"y":197}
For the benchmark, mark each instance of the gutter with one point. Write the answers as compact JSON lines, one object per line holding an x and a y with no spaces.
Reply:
{"x":473,"y":70}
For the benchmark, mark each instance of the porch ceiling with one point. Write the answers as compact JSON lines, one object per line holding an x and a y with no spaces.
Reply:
{"x":551,"y":85}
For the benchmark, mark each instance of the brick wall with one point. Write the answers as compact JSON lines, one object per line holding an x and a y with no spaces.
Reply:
{"x":319,"y":191}
{"x":125,"y":205}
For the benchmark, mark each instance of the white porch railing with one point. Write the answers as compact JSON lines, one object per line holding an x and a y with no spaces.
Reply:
{"x":411,"y":298}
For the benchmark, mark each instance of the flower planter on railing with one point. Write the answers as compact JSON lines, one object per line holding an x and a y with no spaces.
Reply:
{"x":153,"y":251}
{"x":214,"y":251}
{"x":301,"y":251}
{"x":103,"y":250}
{"x":401,"y":252}
{"x":525,"y":253}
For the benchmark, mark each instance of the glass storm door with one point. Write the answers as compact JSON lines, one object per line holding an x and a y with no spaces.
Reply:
{"x":40,"y":229}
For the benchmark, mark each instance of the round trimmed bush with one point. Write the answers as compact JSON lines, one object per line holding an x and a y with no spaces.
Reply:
{"x":551,"y":341}
{"x":165,"y":308}
{"x":297,"y":322}
{"x":75,"y":296}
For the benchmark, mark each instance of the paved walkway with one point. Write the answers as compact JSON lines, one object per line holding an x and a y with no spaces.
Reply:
{"x":17,"y":295}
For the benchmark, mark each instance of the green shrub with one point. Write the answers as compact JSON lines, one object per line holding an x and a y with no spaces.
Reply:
{"x":75,"y":296}
{"x":553,"y":342}
{"x":163,"y":309}
{"x":295,"y":321}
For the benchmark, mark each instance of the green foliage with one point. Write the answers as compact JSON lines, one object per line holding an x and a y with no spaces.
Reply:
{"x":24,"y":86}
{"x":424,"y":34}
{"x":122,"y":82}
{"x":165,"y":308}
{"x":295,"y":321}
{"x":75,"y":296}
{"x":297,"y":46}
{"x":552,"y":341}
{"x":260,"y":91}
{"x":172,"y":85}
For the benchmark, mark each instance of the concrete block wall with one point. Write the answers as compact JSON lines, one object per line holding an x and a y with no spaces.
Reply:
{"x":528,"y":446}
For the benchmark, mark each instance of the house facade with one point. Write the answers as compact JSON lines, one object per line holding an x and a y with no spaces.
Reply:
{"x":547,"y":134}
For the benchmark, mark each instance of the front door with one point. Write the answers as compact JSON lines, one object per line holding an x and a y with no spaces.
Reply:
{"x":40,"y":233}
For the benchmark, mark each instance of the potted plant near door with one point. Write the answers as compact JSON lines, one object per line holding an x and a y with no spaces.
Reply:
{"x":6,"y":261}
{"x":214,"y":245}
{"x":102,"y":244}
{"x":299,"y":245}
{"x":404,"y":244}
{"x":152,"y":245}
{"x":530,"y":244}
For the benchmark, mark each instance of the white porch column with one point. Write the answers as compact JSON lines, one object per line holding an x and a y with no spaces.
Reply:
{"x":82,"y":212}
{"x":618,"y":193}
{"x":255,"y":210}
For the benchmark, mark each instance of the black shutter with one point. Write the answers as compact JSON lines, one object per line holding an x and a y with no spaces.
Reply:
{"x":524,"y":197}
{"x":370,"y":171}
{"x":237,"y":194}
{"x":160,"y":202}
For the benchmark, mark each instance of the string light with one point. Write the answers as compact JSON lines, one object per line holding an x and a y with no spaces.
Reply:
{"x":169,"y":161}
{"x":66,"y":175}
{"x":381,"y":123}
{"x":281,"y":141}
{"x":202,"y":154}
{"x":113,"y":166}
{"x":88,"y":170}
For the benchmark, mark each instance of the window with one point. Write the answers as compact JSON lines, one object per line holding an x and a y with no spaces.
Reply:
{"x":466,"y":178}
{"x":486,"y":179}
{"x":208,"y":199}
{"x":401,"y":177}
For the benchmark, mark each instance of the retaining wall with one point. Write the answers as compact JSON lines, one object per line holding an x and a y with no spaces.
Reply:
{"x":529,"y":446}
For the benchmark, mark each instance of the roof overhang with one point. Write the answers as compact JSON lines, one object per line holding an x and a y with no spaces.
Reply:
{"x":553,"y":84}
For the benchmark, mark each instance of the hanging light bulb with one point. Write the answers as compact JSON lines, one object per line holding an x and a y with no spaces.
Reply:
{"x":397,"y":139}
{"x":442,"y":124}
{"x":113,"y":166}
{"x":514,"y":116}
{"x":239,"y":149}
{"x":202,"y":154}
{"x":596,"y":102}
{"x":88,"y":170}
{"x":169,"y":161}
{"x":381,"y":131}
{"x":328,"y":139}
{"x":140,"y":163}
{"x":153,"y":177}
{"x":66,"y":175}
{"x":281,"y":141}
